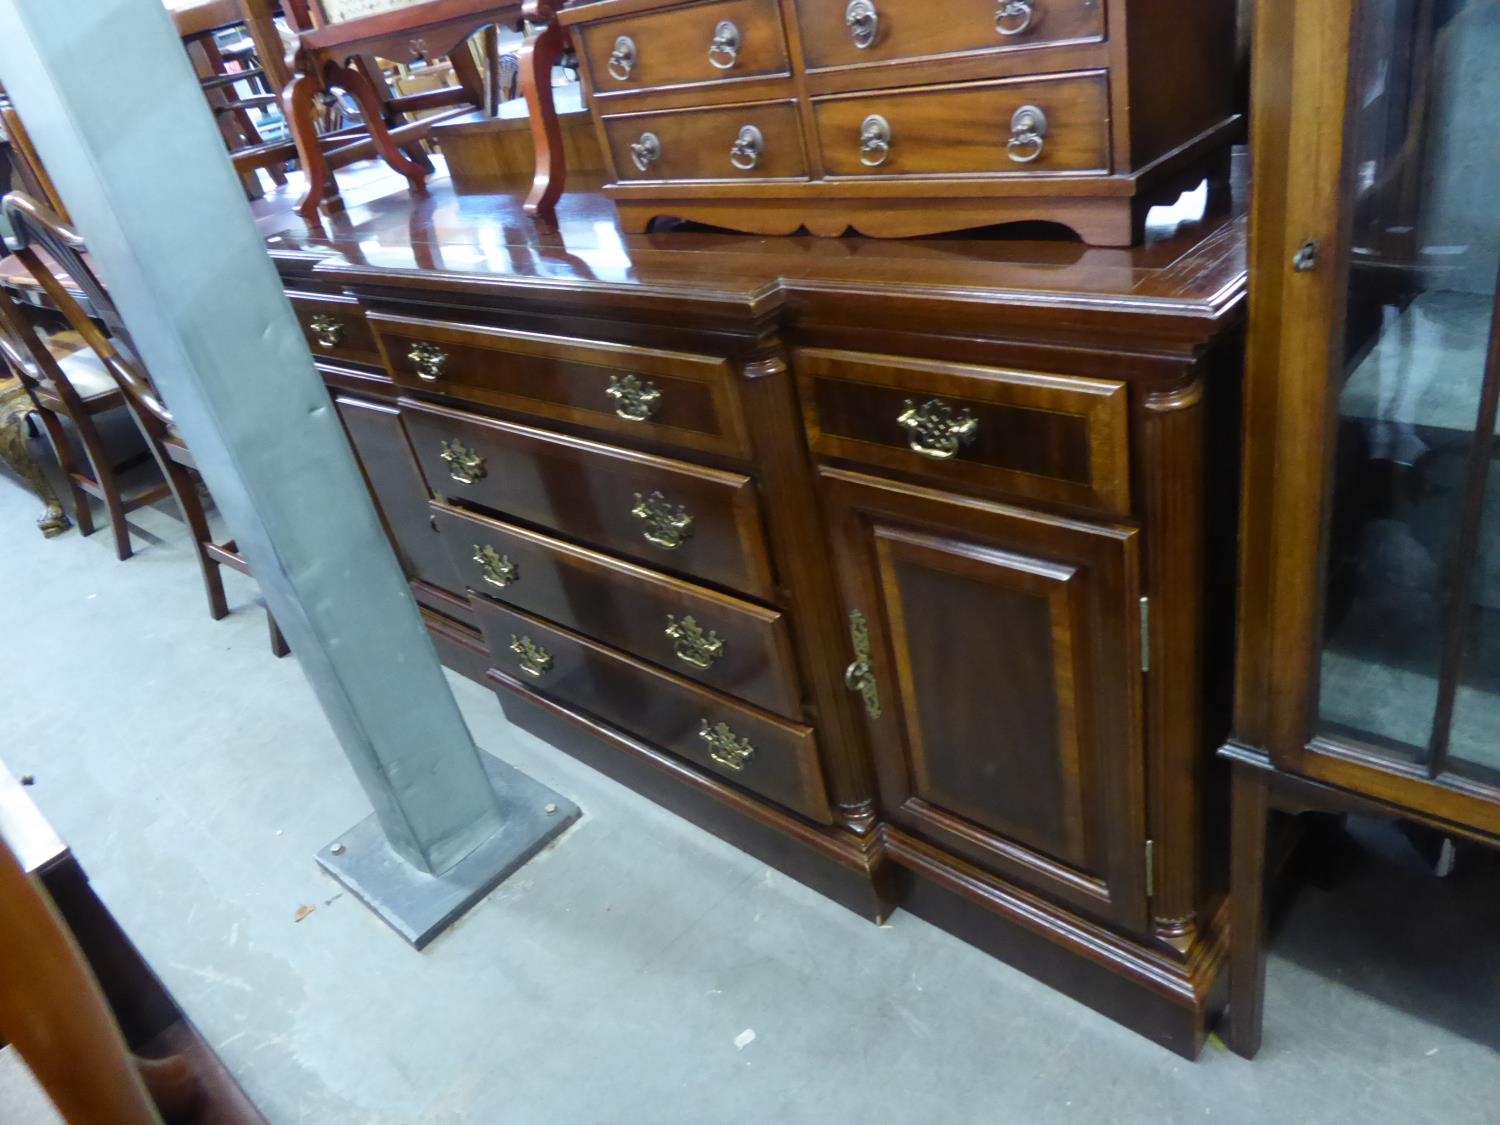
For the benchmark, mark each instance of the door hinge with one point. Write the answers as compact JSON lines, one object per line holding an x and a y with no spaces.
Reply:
{"x":1145,"y":634}
{"x":1150,"y":868}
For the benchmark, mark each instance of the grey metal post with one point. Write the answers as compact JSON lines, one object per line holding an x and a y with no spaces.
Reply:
{"x":124,"y":130}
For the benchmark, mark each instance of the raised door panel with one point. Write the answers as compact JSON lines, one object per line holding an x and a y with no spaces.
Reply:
{"x":400,"y":493}
{"x":1004,"y":651}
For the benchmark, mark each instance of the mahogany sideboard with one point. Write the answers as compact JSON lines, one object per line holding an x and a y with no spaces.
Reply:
{"x":903,"y":566}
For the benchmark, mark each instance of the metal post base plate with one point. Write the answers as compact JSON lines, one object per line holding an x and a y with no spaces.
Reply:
{"x":419,"y":906}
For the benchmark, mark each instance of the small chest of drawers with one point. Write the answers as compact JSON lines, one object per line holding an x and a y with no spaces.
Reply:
{"x":901,"y":117}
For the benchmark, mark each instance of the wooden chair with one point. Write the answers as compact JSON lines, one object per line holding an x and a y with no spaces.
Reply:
{"x":331,"y":55}
{"x":38,"y":228}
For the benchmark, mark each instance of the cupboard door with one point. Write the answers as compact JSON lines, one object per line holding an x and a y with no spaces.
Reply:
{"x":1003,"y":692}
{"x":400,"y":493}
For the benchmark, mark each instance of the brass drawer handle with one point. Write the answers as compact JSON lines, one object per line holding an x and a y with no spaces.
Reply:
{"x":935,"y":429}
{"x":730,"y":750}
{"x":859,"y":676}
{"x":874,"y":141}
{"x":498,"y":569}
{"x":532,"y":657}
{"x":622,"y":59}
{"x":1028,"y":130}
{"x":645,"y":151}
{"x":429,"y":360}
{"x":464,"y":464}
{"x":863,"y":22}
{"x":661,"y":525}
{"x":1014,"y":16}
{"x":327,"y":330}
{"x":724,"y":51}
{"x":634,"y":400}
{"x":691,"y":644}
{"x":745,"y":151}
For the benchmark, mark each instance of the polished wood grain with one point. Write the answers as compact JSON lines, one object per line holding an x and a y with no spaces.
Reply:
{"x":964,"y":129}
{"x":568,"y":379}
{"x":1029,"y":762}
{"x":696,"y":144}
{"x":335,"y":327}
{"x":589,"y":491}
{"x":782,"y":764}
{"x":915,"y":29}
{"x":1036,"y":436}
{"x":672,"y":46}
{"x":630,"y":608}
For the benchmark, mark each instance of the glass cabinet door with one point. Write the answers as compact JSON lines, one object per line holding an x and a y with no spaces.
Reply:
{"x":1409,"y":646}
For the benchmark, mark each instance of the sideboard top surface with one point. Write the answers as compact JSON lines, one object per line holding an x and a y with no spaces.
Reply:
{"x":1180,"y":288}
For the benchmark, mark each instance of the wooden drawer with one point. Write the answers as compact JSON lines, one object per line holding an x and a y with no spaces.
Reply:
{"x":675,"y":397}
{"x":1043,"y":437}
{"x":776,"y":759}
{"x":916,"y":29}
{"x":335,"y":327}
{"x":701,"y":522}
{"x":672,"y":47}
{"x":728,"y":644}
{"x":968,"y":128}
{"x":701,"y":144}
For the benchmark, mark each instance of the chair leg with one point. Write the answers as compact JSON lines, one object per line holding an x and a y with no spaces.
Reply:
{"x":298,"y":103}
{"x":1247,"y":908}
{"x":358,"y":86}
{"x":185,"y":492}
{"x":539,"y":54}
{"x":279,"y":647}
{"x":104,"y":475}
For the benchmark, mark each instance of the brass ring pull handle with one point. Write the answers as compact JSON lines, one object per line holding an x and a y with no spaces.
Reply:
{"x":1028,"y":130}
{"x":724,"y":51}
{"x":634,"y":400}
{"x":1014,"y":17}
{"x":730,"y":750}
{"x":863,"y":22}
{"x":745,"y":151}
{"x":874,"y":141}
{"x":646,"y":150}
{"x":662,"y":525}
{"x":532,"y":657}
{"x":859,"y":676}
{"x":429,"y":360}
{"x":936,"y":430}
{"x":622,"y":59}
{"x":498,"y":570}
{"x":464,"y":464}
{"x":692,"y":644}
{"x":327,"y":330}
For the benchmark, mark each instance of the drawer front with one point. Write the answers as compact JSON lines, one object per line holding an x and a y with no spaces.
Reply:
{"x":876,"y":31}
{"x":674,"y":397}
{"x":755,"y":141}
{"x":698,"y":522}
{"x":335,"y":327}
{"x":983,"y":127}
{"x":684,"y":46}
{"x":1042,"y":437}
{"x":776,"y":759}
{"x":723,"y":642}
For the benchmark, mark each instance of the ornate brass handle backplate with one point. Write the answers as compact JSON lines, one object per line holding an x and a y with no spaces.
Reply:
{"x":498,"y":569}
{"x":327,"y":330}
{"x":691,"y":644}
{"x":532,"y":657}
{"x":935,"y":429}
{"x":635,"y":400}
{"x":464,"y":464}
{"x":730,"y":750}
{"x":1014,"y":16}
{"x":662,"y":525}
{"x":859,"y":676}
{"x":429,"y":360}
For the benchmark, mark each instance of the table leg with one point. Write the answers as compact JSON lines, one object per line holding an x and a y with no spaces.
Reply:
{"x":13,"y":451}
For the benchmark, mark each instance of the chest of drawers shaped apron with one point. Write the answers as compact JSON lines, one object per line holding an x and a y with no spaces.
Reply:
{"x":856,"y":554}
{"x":902,"y":117}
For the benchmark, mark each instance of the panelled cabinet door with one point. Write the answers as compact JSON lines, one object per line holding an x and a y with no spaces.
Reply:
{"x":1002,"y":687}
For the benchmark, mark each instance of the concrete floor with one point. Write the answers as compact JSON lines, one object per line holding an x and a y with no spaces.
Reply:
{"x":640,"y":971}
